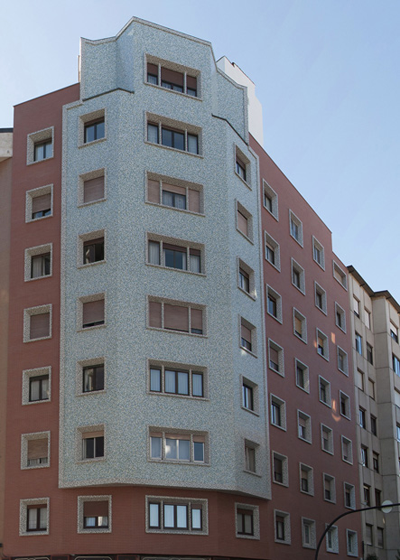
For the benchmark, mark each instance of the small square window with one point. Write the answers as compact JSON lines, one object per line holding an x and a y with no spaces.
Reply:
{"x":280,"y":469}
{"x":91,"y":311}
{"x":250,"y":456}
{"x":344,"y":405}
{"x":318,"y":253}
{"x":306,"y":479}
{"x":35,"y":450}
{"x":37,"y":323}
{"x":278,"y":412}
{"x":242,"y":166}
{"x":36,"y":385}
{"x":91,"y":187}
{"x":38,"y":262}
{"x":340,"y":317}
{"x":247,"y":521}
{"x":92,"y":127}
{"x":322,"y":345}
{"x":245,"y":278}
{"x":347,"y":450}
{"x":327,"y":439}
{"x":282,"y":527}
{"x":91,"y":443}
{"x":296,"y":228}
{"x":308,"y":532}
{"x":244,"y":221}
{"x":299,"y":325}
{"x":329,"y":488}
{"x":94,"y":514}
{"x":39,"y":203}
{"x":91,"y":376}
{"x":302,"y":376}
{"x":342,"y":361}
{"x":298,"y":276}
{"x":272,"y":251}
{"x":270,"y":200}
{"x":320,"y":298}
{"x":40,"y":146}
{"x":324,"y":391}
{"x":34,"y":516}
{"x":332,"y":540}
{"x":275,"y":357}
{"x":91,"y":248}
{"x":349,"y":496}
{"x":339,"y":275}
{"x":352,"y":544}
{"x":304,"y":426}
{"x":274,"y":304}
{"x":248,"y":336}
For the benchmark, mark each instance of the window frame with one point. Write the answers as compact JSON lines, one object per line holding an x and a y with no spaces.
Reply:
{"x":339,"y":273}
{"x":36,"y":139}
{"x":342,"y":355}
{"x":30,"y":197}
{"x":324,"y":384}
{"x":190,"y":503}
{"x":173,"y":182}
{"x":240,"y":508}
{"x":34,"y":252}
{"x":347,"y":442}
{"x":339,"y":311}
{"x":273,"y":297}
{"x":319,"y":291}
{"x":303,"y":320}
{"x":297,"y":272}
{"x":325,"y":352}
{"x":82,"y":529}
{"x":294,"y":221}
{"x":32,"y":311}
{"x":86,"y":120}
{"x":182,"y":246}
{"x":277,"y":412}
{"x":333,"y":532}
{"x":305,"y":371}
{"x":242,"y":167}
{"x":245,"y":382}
{"x":243,"y":267}
{"x":350,"y":536}
{"x":37,"y":373}
{"x":186,"y":72}
{"x":284,"y":517}
{"x":310,"y":479}
{"x":272,"y":195}
{"x":25,"y":439}
{"x":176,"y":127}
{"x":327,"y":430}
{"x":83,"y":178}
{"x":89,"y":299}
{"x":177,"y":303}
{"x":307,"y":437}
{"x":177,"y":367}
{"x":352,"y":493}
{"x":347,"y":415}
{"x":270,"y":241}
{"x":25,"y":505}
{"x":84,"y":239}
{"x":317,"y":245}
{"x":180,"y":435}
{"x":332,"y":490}
{"x":313,"y":538}
{"x":285,"y":469}
{"x":240,"y":209}
{"x":281,"y":365}
{"x":81,"y":453}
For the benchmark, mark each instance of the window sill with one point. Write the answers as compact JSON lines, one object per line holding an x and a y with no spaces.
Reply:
{"x":322,"y":266}
{"x":38,"y":278}
{"x":180,"y":93}
{"x":307,"y":493}
{"x":247,"y":294}
{"x":245,"y":236}
{"x":36,"y":402}
{"x":328,"y":405}
{"x":34,"y":533}
{"x":159,"y":329}
{"x":184,"y":210}
{"x":176,"y":269}
{"x":93,"y":530}
{"x":329,"y":453}
{"x":300,"y":338}
{"x":160,"y":394}
{"x":34,"y":163}
{"x":251,"y":411}
{"x":283,"y":542}
{"x":271,"y":213}
{"x":169,"y":148}
{"x":38,"y":339}
{"x":243,"y":181}
{"x":88,"y":461}
{"x":84,"y":204}
{"x":346,"y":373}
{"x":283,"y":428}
{"x":189,"y":532}
{"x":252,"y":473}
{"x":93,"y":142}
{"x":88,"y":265}
{"x":272,"y":264}
{"x":305,"y":440}
{"x":274,"y":317}
{"x":85,"y":329}
{"x":322,"y":356}
{"x":250,"y":537}
{"x":297,"y":240}
{"x":176,"y":462}
{"x":300,"y":290}
{"x":248,"y":351}
{"x":281,"y":373}
{"x":86,"y":393}
{"x":303,"y":389}
{"x":324,"y":311}
{"x":284,"y":484}
{"x":33,"y":220}
{"x":44,"y":466}
{"x":351,"y":462}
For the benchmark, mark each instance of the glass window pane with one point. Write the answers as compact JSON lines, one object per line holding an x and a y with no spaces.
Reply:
{"x":100,"y":131}
{"x":198,"y":451}
{"x":184,"y":450}
{"x":183,"y":383}
{"x":154,"y":515}
{"x":180,"y":201}
{"x":170,"y":377}
{"x":171,"y":448}
{"x":179,"y":140}
{"x":35,"y":390}
{"x":197,"y":384}
{"x":45,"y":388}
{"x":248,"y":518}
{"x":90,"y":522}
{"x":192,"y":144}
{"x":181,"y":517}
{"x":155,"y":380}
{"x":155,"y":451}
{"x":166,"y":137}
{"x":169,"y":516}
{"x":154,"y":252}
{"x":196,"y":518}
{"x":168,"y":198}
{"x":195,"y":263}
{"x":32,"y":518}
{"x":152,"y":133}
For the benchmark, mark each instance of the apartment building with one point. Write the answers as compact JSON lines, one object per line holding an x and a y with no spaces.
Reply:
{"x":376,"y":358}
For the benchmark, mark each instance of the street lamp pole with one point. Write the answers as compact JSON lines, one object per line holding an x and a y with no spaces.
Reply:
{"x":381,"y":507}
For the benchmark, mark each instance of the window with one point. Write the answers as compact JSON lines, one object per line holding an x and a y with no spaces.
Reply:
{"x":92,"y":442}
{"x":174,"y":193}
{"x":272,"y":251}
{"x":378,"y":495}
{"x":282,"y":527}
{"x":250,"y":456}
{"x":172,"y":515}
{"x":398,"y":432}
{"x":304,"y":426}
{"x":34,"y":517}
{"x":270,"y":200}
{"x":362,"y":418}
{"x":349,"y":496}
{"x":368,"y":321}
{"x":318,"y":253}
{"x":298,"y":276}
{"x":40,"y":145}
{"x":326,"y":439}
{"x":244,"y":221}
{"x":332,"y":540}
{"x":347,"y":450}
{"x":274,"y":304}
{"x":92,"y":247}
{"x":371,"y":388}
{"x":322,"y":345}
{"x":364,"y":456}
{"x":302,"y":376}
{"x":299,"y":325}
{"x":370,"y":356}
{"x":360,"y":379}
{"x":246,"y":278}
{"x":352,"y":545}
{"x":375,"y":461}
{"x":94,"y":514}
{"x":340,"y":317}
{"x":181,"y":446}
{"x":339,"y":275}
{"x":177,"y":135}
{"x":344,"y":405}
{"x":276,"y":359}
{"x":356,"y":307}
{"x":43,"y":150}
{"x":249,"y":395}
{"x":35,"y":450}
{"x":324,"y":391}
{"x":394,"y":332}
{"x":329,"y":488}
{"x":308,"y":532}
{"x":176,"y":316}
{"x":92,"y":127}
{"x":278,"y":412}
{"x":39,"y":203}
{"x":379,"y":537}
{"x":242,"y":166}
{"x":37,"y":323}
{"x":35,"y":385}
{"x":247,"y":521}
{"x":358,"y":341}
{"x":173,"y":253}
{"x":92,"y":310}
{"x":248,"y":336}
{"x":342,"y":361}
{"x":396,"y":364}
{"x":374,"y":429}
{"x":91,"y":187}
{"x":367,"y":495}
{"x":296,"y":228}
{"x":280,"y":469}
{"x":38,"y":262}
{"x":172,"y":76}
{"x":320,"y":298}
{"x":306,"y":479}
{"x":177,"y":379}
{"x":93,"y":378}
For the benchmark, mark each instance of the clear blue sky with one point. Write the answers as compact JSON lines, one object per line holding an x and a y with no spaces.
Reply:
{"x":326,"y":72}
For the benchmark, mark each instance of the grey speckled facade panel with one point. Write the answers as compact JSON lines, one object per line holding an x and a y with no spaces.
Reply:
{"x":125,"y":408}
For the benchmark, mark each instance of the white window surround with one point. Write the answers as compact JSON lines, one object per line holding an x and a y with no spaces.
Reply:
{"x":253,"y":447}
{"x":287,"y":534}
{"x":318,"y":248}
{"x":95,"y":498}
{"x":281,"y":405}
{"x":310,"y":478}
{"x":300,"y":317}
{"x":35,"y":252}
{"x":185,"y":304}
{"x":27,"y":374}
{"x":305,"y":373}
{"x":352,"y":543}
{"x":281,"y":365}
{"x":183,"y":127}
{"x":326,"y":439}
{"x":96,"y":173}
{"x":295,"y":228}
{"x":23,"y":515}
{"x":324,"y":384}
{"x":256,"y":521}
{"x":347,"y":450}
{"x":352,"y":491}
{"x":253,"y":331}
{"x":87,"y":118}
{"x":339,"y":275}
{"x":39,"y":310}
{"x":35,"y":138}
{"x":278,"y":303}
{"x":285,"y":469}
{"x":80,"y":436}
{"x":343,"y":361}
{"x":178,"y":242}
{"x":242,"y":210}
{"x":185,"y":70}
{"x":175,"y":182}
{"x":332,"y":540}
{"x":31,"y":195}
{"x":189,"y":502}
{"x":25,"y":438}
{"x":324,"y":351}
{"x":304,"y":431}
{"x":298,"y":270}
{"x":309,"y":539}
{"x":329,"y":480}
{"x":340,"y":311}
{"x":272,"y":195}
{"x":346,"y":398}
{"x":81,"y":364}
{"x":274,"y":260}
{"x":320,"y":294}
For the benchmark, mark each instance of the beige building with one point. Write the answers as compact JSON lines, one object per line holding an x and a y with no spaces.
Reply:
{"x":375,"y":323}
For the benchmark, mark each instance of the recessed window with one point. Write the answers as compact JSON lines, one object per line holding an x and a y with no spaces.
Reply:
{"x":306,"y":479}
{"x":274,"y":304}
{"x":367,"y":317}
{"x":36,"y":385}
{"x":299,"y":325}
{"x":322,"y":344}
{"x":177,"y":380}
{"x":379,"y":537}
{"x":35,"y":450}
{"x":318,"y":253}
{"x":272,"y":251}
{"x":327,"y":439}
{"x":177,"y":135}
{"x":92,"y":376}
{"x":362,"y":418}
{"x":43,"y":150}
{"x":342,"y":361}
{"x":394,"y":332}
{"x":38,"y":262}
{"x":176,"y":316}
{"x":356,"y":306}
{"x":347,"y":450}
{"x":92,"y":245}
{"x":329,"y":488}
{"x":324,"y":391}
{"x":242,"y":166}
{"x":370,"y":354}
{"x":296,"y":228}
{"x":249,"y":395}
{"x":298,"y":276}
{"x":339,"y":275}
{"x":282,"y":527}
{"x":340,"y":317}
{"x":280,"y":469}
{"x":278,"y":412}
{"x":270,"y":200}
{"x":308,"y":532}
{"x":374,"y":425}
{"x":366,"y":495}
{"x":247,"y":521}
{"x":92,"y":127}
{"x":176,"y":515}
{"x":179,"y":447}
{"x":172,"y":76}
{"x":94,"y":514}
{"x":364,"y":456}
{"x":91,"y":187}
{"x":375,"y":461}
{"x":344,"y":405}
{"x":396,"y":364}
{"x":175,"y":253}
{"x":320,"y":298}
{"x":358,"y":343}
{"x":174,"y":193}
{"x":302,"y":376}
{"x":92,"y":311}
{"x":332,"y":540}
{"x":244,"y":221}
{"x":37,"y":323}
{"x":248,"y":336}
{"x":39,"y":203}
{"x":40,"y":146}
{"x":349,"y":496}
{"x":275,"y":357}
{"x":34,"y":517}
{"x":250,"y":456}
{"x":352,"y":544}
{"x":304,"y":426}
{"x":92,"y":442}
